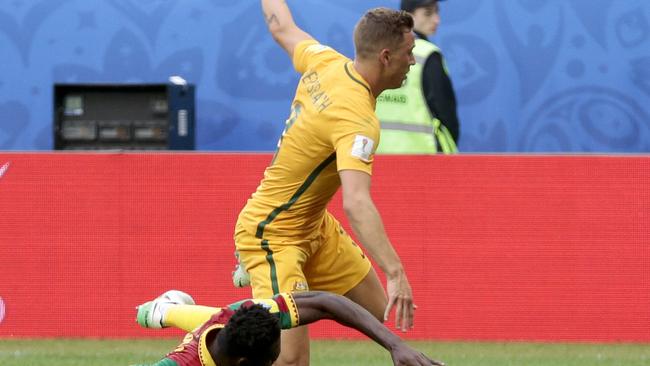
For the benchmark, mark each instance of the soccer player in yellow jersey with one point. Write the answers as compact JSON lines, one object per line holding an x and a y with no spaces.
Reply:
{"x":284,"y":235}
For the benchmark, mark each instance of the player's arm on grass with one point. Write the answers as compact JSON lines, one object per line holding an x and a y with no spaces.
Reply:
{"x":314,"y":306}
{"x":367,"y":225}
{"x":281,"y":25}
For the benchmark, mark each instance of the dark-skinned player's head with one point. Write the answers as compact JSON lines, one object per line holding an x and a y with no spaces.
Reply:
{"x":250,"y":338}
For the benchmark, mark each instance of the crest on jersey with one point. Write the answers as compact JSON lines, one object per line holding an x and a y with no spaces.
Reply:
{"x":300,"y":286}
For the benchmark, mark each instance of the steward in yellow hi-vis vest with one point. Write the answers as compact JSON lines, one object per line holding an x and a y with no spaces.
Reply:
{"x":408,"y":125}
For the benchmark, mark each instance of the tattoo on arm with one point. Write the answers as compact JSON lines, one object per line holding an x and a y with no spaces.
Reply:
{"x":272,"y":19}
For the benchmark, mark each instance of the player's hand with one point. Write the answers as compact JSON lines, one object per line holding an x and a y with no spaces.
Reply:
{"x":404,"y":355}
{"x":400,"y":296}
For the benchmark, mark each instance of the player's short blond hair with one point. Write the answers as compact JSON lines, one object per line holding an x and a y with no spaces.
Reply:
{"x":380,"y":28}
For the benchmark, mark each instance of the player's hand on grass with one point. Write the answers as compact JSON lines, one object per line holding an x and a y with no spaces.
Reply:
{"x":404,"y":355}
{"x":400,"y":296}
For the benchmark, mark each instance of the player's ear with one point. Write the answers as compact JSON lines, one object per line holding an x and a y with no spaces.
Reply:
{"x":384,"y":56}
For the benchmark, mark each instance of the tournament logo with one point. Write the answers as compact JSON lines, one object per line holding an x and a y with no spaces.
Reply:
{"x":4,"y":169}
{"x":363,"y":147}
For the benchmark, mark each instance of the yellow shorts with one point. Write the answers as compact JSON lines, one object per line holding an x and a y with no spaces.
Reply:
{"x":332,"y":262}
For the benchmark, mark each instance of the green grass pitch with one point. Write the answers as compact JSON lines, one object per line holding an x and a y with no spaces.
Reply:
{"x":78,"y":352}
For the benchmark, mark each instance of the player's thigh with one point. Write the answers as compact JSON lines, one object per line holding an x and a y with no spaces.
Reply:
{"x":369,"y":293}
{"x":338,"y":264}
{"x":273,"y":266}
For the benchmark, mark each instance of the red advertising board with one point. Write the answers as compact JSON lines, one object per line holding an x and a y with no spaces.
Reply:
{"x":544,"y":248}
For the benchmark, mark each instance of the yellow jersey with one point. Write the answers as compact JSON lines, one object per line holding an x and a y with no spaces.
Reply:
{"x":332,"y":127}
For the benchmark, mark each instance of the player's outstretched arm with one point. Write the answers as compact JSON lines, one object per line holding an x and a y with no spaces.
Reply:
{"x":367,"y":225}
{"x":281,"y":25}
{"x":313,"y":306}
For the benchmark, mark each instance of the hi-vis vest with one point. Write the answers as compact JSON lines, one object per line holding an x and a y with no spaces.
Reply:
{"x":407,"y":125}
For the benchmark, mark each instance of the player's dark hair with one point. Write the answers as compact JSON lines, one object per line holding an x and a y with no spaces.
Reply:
{"x":251,"y":332}
{"x":380,"y":28}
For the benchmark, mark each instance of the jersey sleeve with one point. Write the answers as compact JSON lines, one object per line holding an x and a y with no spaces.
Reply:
{"x":355,"y":141}
{"x":309,"y":53}
{"x":283,"y":306}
